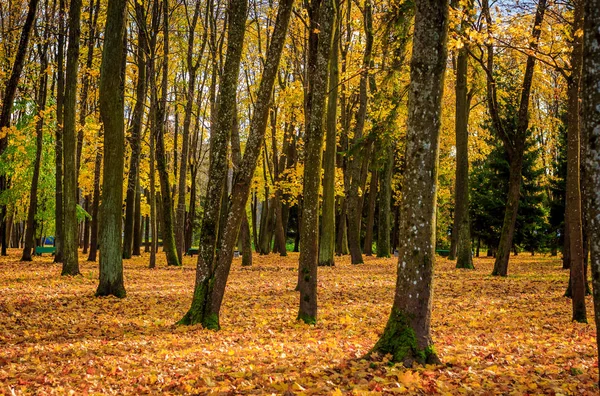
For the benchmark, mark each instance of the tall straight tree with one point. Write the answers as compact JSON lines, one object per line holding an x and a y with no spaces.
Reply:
{"x":217,"y":172}
{"x":41,"y":107}
{"x":513,"y":139}
{"x":461,"y":232}
{"x":591,"y":140}
{"x":322,"y":19}
{"x":8,"y":98}
{"x":136,"y":134}
{"x":206,"y":307}
{"x":58,"y":145}
{"x":573,"y":197}
{"x":112,"y":112}
{"x":159,"y":130}
{"x":70,"y":254}
{"x":327,"y":237}
{"x":407,"y":335}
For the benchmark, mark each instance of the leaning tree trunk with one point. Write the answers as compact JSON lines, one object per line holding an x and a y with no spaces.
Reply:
{"x":112,"y":100}
{"x":8,"y":98}
{"x":41,"y":103}
{"x":407,"y":335}
{"x":199,"y":312}
{"x":591,"y":134}
{"x":573,"y":200}
{"x":70,"y":254}
{"x":209,"y":291}
{"x":461,"y":230}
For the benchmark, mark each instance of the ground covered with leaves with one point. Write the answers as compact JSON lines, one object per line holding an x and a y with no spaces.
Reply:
{"x":494,"y":335}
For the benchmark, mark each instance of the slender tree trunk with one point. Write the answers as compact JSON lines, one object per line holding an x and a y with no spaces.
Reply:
{"x":86,"y":226}
{"x":461,"y":230}
{"x":577,"y":274}
{"x":137,"y":222}
{"x":591,"y":138}
{"x":95,"y":204}
{"x":385,"y":203}
{"x":136,"y":133}
{"x":368,"y":248}
{"x":8,"y":98}
{"x":70,"y":258}
{"x":112,"y":112}
{"x":58,"y":146}
{"x":354,"y":165}
{"x":407,"y":335}
{"x":41,"y":105}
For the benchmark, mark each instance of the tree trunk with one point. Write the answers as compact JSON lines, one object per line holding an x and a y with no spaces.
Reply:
{"x":136,"y":133}
{"x":354,"y":201}
{"x":327,"y":237}
{"x":112,"y":113}
{"x":95,"y":204}
{"x":322,"y":19}
{"x":407,"y":335}
{"x":368,"y":247}
{"x":573,"y":199}
{"x":86,"y":226}
{"x":41,"y":104}
{"x":591,"y":138}
{"x":58,"y":146}
{"x":384,"y":248}
{"x":70,"y":253}
{"x":137,"y":222}
{"x":461,"y":230}
{"x":200,"y":312}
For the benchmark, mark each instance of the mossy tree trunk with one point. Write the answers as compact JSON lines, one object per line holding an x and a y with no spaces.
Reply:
{"x":327,"y":237}
{"x":322,"y":19}
{"x":112,"y":113}
{"x":407,"y":336}
{"x":573,"y":194}
{"x":209,"y":293}
{"x":70,"y":254}
{"x":591,"y":140}
{"x":218,"y":169}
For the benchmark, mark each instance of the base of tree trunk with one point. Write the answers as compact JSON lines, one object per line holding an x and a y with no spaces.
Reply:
{"x":307,"y":319}
{"x":108,"y":289}
{"x":197,"y":313}
{"x":400,"y":341}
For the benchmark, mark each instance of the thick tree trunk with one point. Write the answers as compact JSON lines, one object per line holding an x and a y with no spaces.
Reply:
{"x":112,"y":112}
{"x":591,"y":139}
{"x":322,"y":19}
{"x":573,"y":200}
{"x":41,"y":105}
{"x":327,"y":237}
{"x":70,"y":253}
{"x":407,"y":335}
{"x":461,"y":230}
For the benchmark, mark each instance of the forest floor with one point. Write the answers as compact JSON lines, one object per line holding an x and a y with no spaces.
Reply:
{"x":494,"y":335}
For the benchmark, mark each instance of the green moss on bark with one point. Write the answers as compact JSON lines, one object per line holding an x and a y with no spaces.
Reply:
{"x":310,"y":320}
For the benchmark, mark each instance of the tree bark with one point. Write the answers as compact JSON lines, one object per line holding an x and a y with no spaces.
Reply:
{"x":41,"y":105}
{"x":70,"y":253}
{"x":385,"y":203}
{"x":95,"y":204}
{"x":407,"y":335}
{"x":591,"y":139}
{"x":8,"y":98}
{"x":58,"y":146}
{"x":112,"y":113}
{"x":368,"y":248}
{"x":573,"y":194}
{"x":322,"y":19}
